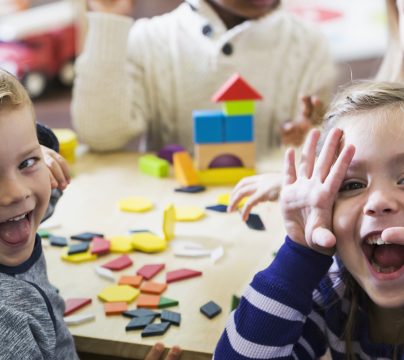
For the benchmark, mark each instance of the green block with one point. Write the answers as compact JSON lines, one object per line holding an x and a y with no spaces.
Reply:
{"x":154,"y":166}
{"x":43,"y":233}
{"x":235,"y":300}
{"x":166,"y":302}
{"x":242,"y":107}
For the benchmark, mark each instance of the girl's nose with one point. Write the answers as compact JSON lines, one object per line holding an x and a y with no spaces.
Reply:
{"x":12,"y":191}
{"x":380,"y":203}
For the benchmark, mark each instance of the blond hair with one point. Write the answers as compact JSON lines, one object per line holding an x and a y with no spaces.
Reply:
{"x":12,"y":93}
{"x":392,"y":67}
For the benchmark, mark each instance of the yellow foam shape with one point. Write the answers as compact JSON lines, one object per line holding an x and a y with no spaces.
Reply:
{"x":223,"y":176}
{"x":117,"y":293}
{"x":224,"y":199}
{"x":188,"y":213}
{"x":148,"y":242}
{"x":169,"y":222}
{"x":184,"y":169}
{"x":77,"y":258}
{"x":135,"y":204}
{"x":121,"y":244}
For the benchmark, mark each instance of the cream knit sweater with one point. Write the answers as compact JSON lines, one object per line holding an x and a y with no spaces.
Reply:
{"x":148,"y":77}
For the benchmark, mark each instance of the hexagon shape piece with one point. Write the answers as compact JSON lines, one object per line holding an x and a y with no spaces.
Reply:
{"x":119,"y":293}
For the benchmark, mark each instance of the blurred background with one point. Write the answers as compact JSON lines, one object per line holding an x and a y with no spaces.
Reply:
{"x":356,"y":30}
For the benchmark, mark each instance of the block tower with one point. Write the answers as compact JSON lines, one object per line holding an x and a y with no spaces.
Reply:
{"x":224,"y":140}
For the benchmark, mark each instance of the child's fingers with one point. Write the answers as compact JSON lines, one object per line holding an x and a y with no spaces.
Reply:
{"x":328,"y":154}
{"x":174,"y":353}
{"x":394,"y":235}
{"x":57,"y":173}
{"x":324,"y":239}
{"x":250,"y":203}
{"x":155,"y":352}
{"x":54,"y":183}
{"x":289,"y":168}
{"x":309,"y":154}
{"x":64,"y":167}
{"x":239,"y":195}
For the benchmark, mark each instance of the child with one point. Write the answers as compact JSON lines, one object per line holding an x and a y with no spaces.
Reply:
{"x":31,"y":311}
{"x":149,"y":77}
{"x":349,"y":201}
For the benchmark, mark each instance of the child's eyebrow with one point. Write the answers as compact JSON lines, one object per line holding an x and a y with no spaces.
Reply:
{"x":29,"y":150}
{"x":398,"y":159}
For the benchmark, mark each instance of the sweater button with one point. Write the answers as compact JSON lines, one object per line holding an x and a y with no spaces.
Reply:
{"x":227,"y":49}
{"x":207,"y":30}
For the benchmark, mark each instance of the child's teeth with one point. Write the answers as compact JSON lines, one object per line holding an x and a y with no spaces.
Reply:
{"x":18,"y":218}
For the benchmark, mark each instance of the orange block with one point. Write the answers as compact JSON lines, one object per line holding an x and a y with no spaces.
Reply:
{"x":115,"y":308}
{"x":148,"y":301}
{"x":152,"y":287}
{"x":184,"y":169}
{"x":132,"y":280}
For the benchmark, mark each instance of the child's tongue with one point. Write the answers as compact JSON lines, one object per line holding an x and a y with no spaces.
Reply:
{"x":389,"y":255}
{"x":15,"y":232}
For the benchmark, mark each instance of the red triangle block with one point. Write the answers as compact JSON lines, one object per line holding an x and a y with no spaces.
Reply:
{"x":181,"y":274}
{"x":73,"y":305}
{"x":119,"y":263}
{"x":100,"y":246}
{"x":149,"y":271}
{"x":236,"y":88}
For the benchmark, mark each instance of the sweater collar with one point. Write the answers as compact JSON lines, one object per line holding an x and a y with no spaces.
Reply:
{"x":27,"y":264}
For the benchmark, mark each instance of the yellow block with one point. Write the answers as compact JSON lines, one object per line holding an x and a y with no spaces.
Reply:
{"x":188,"y":213}
{"x":169,"y":222}
{"x":67,"y":143}
{"x":121,"y":244}
{"x":148,"y":242}
{"x":184,"y":169}
{"x":223,"y":176}
{"x":135,"y":204}
{"x":224,"y":199}
{"x":77,"y":258}
{"x":115,"y":293}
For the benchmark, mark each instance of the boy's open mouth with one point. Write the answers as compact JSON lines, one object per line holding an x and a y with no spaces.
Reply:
{"x":384,"y":257}
{"x":15,"y":231}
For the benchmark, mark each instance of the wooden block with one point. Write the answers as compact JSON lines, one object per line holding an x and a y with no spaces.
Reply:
{"x":151,"y":270}
{"x":206,"y":153}
{"x":171,"y":317}
{"x":148,"y":301}
{"x":132,"y":280}
{"x":73,"y":305}
{"x":154,"y":166}
{"x":140,"y":313}
{"x":119,"y":293}
{"x":155,"y":329}
{"x":119,"y":263}
{"x":239,"y":128}
{"x":86,"y":236}
{"x":169,"y":219}
{"x":148,"y":242}
{"x":166,"y":302}
{"x":181,"y":274}
{"x":77,"y":258}
{"x":211,"y":309}
{"x":236,"y":88}
{"x":208,"y":126}
{"x":78,"y":319}
{"x":224,"y":176}
{"x":78,"y":248}
{"x":115,"y":308}
{"x":151,"y":287}
{"x":184,"y":169}
{"x":139,"y":323}
{"x":242,"y":107}
{"x":100,"y":246}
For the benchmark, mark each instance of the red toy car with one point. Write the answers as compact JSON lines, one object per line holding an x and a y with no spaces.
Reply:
{"x":38,"y":45}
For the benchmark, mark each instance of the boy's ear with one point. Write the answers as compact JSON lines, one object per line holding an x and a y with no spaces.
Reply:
{"x":46,"y":137}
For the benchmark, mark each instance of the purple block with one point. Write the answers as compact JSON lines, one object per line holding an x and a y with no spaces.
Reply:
{"x":168,"y":151}
{"x":226,"y":161}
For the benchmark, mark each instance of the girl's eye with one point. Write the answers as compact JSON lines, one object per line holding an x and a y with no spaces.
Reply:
{"x":28,"y":163}
{"x":401,"y":181}
{"x":351,"y":186}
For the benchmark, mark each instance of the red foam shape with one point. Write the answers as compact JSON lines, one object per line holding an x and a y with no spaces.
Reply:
{"x":236,"y":88}
{"x":73,"y":305}
{"x":119,"y":263}
{"x":149,"y":271}
{"x":181,"y":274}
{"x":100,"y":246}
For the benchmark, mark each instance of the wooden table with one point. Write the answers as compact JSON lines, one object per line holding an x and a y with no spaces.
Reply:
{"x":90,"y":204}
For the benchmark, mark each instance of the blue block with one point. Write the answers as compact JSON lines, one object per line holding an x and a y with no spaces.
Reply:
{"x":208,"y":126}
{"x":239,"y":128}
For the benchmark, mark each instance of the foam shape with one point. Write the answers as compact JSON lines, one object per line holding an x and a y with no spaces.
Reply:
{"x":119,"y":263}
{"x":184,"y":170}
{"x":119,"y":293}
{"x":181,"y":274}
{"x":154,"y":166}
{"x":77,"y":258}
{"x":150,"y":270}
{"x":78,"y":319}
{"x":189,"y":213}
{"x":224,"y":176}
{"x":74,"y":304}
{"x":148,"y":242}
{"x":169,"y":218}
{"x":121,"y":244}
{"x":224,"y":199}
{"x":135,"y":204}
{"x":236,"y":88}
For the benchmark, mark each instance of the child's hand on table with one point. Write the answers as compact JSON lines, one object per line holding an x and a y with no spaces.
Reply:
{"x":157,"y":352}
{"x":58,"y":168}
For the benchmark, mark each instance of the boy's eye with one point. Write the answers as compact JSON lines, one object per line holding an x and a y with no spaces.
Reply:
{"x":351,"y":186}
{"x":28,"y":163}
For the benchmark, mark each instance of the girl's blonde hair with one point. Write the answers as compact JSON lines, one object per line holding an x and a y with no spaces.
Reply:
{"x":360,"y":97}
{"x":392,"y":65}
{"x":12,"y":93}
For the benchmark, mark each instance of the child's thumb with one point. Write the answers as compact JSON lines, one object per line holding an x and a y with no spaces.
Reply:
{"x":324,"y":240}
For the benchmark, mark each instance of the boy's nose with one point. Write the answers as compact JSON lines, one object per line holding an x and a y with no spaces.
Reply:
{"x":12,"y":191}
{"x":380,"y":203}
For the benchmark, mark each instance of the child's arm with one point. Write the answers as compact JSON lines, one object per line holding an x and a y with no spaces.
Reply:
{"x":273,"y":319}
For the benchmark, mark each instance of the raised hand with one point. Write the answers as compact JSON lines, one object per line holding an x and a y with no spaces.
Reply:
{"x":117,"y":7}
{"x":259,"y":188}
{"x":59,"y":172}
{"x":309,"y":192}
{"x":294,"y":132}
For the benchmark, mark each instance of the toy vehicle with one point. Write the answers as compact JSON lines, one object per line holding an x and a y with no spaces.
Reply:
{"x":38,"y":45}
